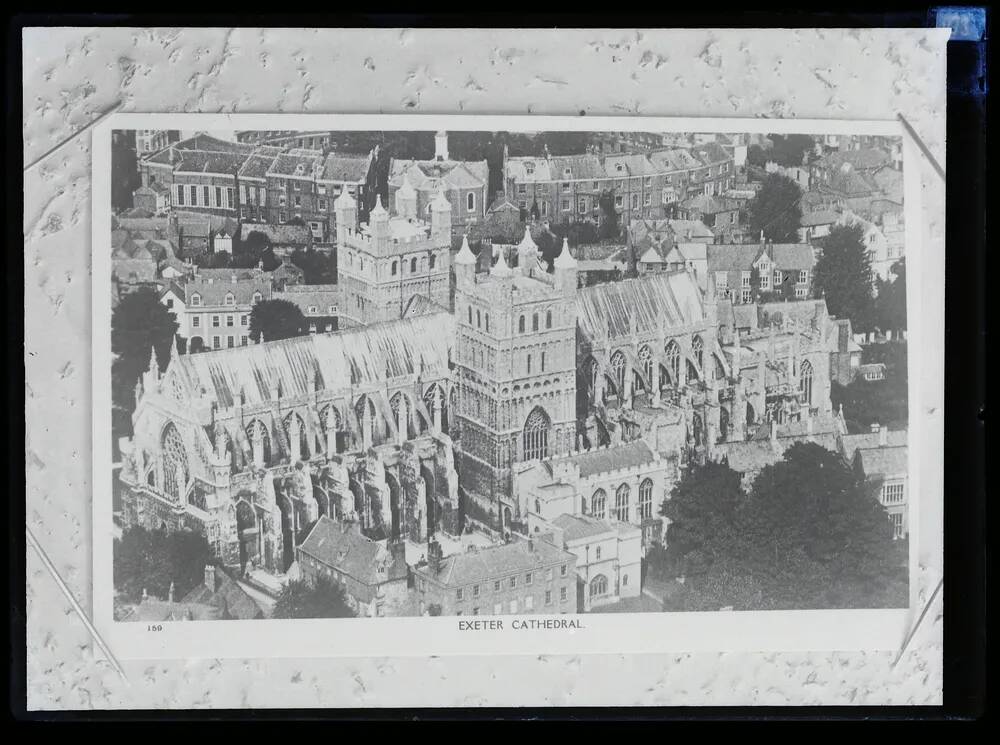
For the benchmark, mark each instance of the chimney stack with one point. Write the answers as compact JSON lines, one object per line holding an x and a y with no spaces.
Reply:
{"x":883,"y":436}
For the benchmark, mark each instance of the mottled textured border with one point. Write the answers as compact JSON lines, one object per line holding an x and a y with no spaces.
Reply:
{"x":72,"y":75}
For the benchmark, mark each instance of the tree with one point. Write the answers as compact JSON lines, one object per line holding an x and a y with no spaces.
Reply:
{"x":788,"y":150}
{"x":125,"y":177}
{"x":814,"y":535}
{"x":843,"y":276}
{"x":702,"y":512}
{"x":320,"y":599}
{"x":152,"y":560}
{"x":318,"y":267}
{"x":756,"y":156}
{"x":296,"y":220}
{"x":253,"y":250}
{"x":277,"y":319}
{"x":609,"y":228}
{"x":216,"y":260}
{"x":890,"y":300}
{"x":138,"y":322}
{"x":775,"y":210}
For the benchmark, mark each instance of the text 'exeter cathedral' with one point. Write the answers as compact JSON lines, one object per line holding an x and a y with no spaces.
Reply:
{"x":530,"y":399}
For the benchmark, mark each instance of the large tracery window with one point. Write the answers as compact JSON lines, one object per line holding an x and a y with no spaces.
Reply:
{"x":599,"y":504}
{"x":535,"y":438}
{"x":621,"y":503}
{"x":175,"y":463}
{"x":646,"y":361}
{"x":303,"y":437}
{"x":646,"y":498}
{"x":434,"y":396}
{"x":618,"y":372}
{"x":672,"y":354}
{"x":698,"y":352}
{"x":257,"y":429}
{"x":806,"y":383}
{"x":396,"y":403}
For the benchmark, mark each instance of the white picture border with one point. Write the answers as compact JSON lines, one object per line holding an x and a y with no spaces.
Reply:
{"x":765,"y":631}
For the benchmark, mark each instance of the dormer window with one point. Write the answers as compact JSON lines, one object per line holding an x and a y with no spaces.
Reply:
{"x":196,"y":299}
{"x":529,"y":168}
{"x":230,"y":299}
{"x":257,"y":297}
{"x":312,"y":309}
{"x":619,"y":167}
{"x":567,"y":173}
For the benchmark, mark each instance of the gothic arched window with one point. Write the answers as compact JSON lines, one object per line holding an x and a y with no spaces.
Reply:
{"x":672,"y":355}
{"x":599,"y":504}
{"x":598,"y":586}
{"x":618,"y":371}
{"x":646,"y":361}
{"x":400,"y":404}
{"x":698,"y":351}
{"x":621,"y":503}
{"x":479,"y":319}
{"x":487,"y":322}
{"x":394,"y":269}
{"x":548,"y":319}
{"x":697,"y":430}
{"x":806,"y":382}
{"x":432,"y":261}
{"x":535,"y":437}
{"x":723,"y":422}
{"x":257,"y":429}
{"x":520,"y":324}
{"x":646,"y":498}
{"x":413,"y":266}
{"x":175,"y":462}
{"x":303,"y":437}
{"x":434,"y":396}
{"x":470,"y":315}
{"x":534,"y":322}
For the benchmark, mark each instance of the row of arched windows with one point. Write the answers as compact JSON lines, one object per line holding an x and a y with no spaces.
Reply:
{"x":599,"y":502}
{"x":394,"y":267}
{"x":521,"y":322}
{"x":479,"y":319}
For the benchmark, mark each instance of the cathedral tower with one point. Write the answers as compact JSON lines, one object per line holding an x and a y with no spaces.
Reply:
{"x":515,"y":374}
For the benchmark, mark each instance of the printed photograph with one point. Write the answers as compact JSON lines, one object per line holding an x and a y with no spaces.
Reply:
{"x":475,"y":373}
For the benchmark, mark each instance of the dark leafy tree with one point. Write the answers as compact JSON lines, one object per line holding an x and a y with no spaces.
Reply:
{"x":610,"y":224}
{"x":254,"y":250}
{"x":791,"y":150}
{"x":814,"y":535}
{"x":276,"y":319}
{"x":702,"y":512}
{"x":775,"y":210}
{"x":138,"y":322}
{"x":296,"y":220}
{"x":125,"y":177}
{"x":843,"y":277}
{"x":216,"y":260}
{"x":756,"y":156}
{"x":890,"y":301}
{"x":318,"y":267}
{"x":151,"y":560}
{"x":320,"y":599}
{"x":535,"y":213}
{"x":884,"y":402}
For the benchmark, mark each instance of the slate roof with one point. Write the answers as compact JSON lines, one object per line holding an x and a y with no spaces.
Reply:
{"x":350,"y":168}
{"x":361,"y":356}
{"x":672,"y":298}
{"x":710,"y":153}
{"x":584,"y":167}
{"x":517,"y":172}
{"x":626,"y":455}
{"x":298,"y":162}
{"x":256,"y":166}
{"x":495,"y":562}
{"x":214,"y":293}
{"x":742,"y":256}
{"x":230,"y":600}
{"x":697,"y":228}
{"x":675,"y":159}
{"x":430,"y":175}
{"x":708,"y":205}
{"x":886,"y":461}
{"x":863,"y":159}
{"x":421,"y":305}
{"x":320,"y":297}
{"x":280,"y":234}
{"x":870,"y":441}
{"x":340,"y":546}
{"x":576,"y":527}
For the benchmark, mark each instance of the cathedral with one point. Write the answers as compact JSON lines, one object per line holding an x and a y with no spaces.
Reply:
{"x":531,"y":397}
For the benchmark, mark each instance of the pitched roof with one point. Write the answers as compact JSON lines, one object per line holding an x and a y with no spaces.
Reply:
{"x":870,"y":441}
{"x":674,"y":159}
{"x":421,"y":305}
{"x":576,"y":527}
{"x":280,"y":234}
{"x":495,"y":562}
{"x":742,"y":256}
{"x":626,"y":455}
{"x":352,"y":168}
{"x":305,"y":297}
{"x":528,"y":169}
{"x":431,"y":175}
{"x":213,"y":292}
{"x":298,"y":162}
{"x":818,"y":217}
{"x":672,"y":298}
{"x":584,"y":166}
{"x":339,"y":545}
{"x":886,"y":461}
{"x":360,"y":356}
{"x":864,"y":159}
{"x":708,"y":204}
{"x":634,"y":165}
{"x":230,"y":600}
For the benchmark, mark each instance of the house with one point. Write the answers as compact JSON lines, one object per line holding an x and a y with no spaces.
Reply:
{"x":286,"y":274}
{"x":817,"y":224}
{"x":527,"y":575}
{"x":716,"y":212}
{"x":372,"y":575}
{"x":872,"y":372}
{"x":222,"y":592}
{"x":883,"y":457}
{"x":154,"y":198}
{"x":216,"y":311}
{"x":682,"y":257}
{"x":283,"y":239}
{"x":600,"y":262}
{"x":741,"y":271}
{"x":465,"y":185}
{"x":318,"y":303}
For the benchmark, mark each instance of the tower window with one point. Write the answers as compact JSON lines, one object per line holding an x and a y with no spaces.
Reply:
{"x":413,"y":266}
{"x":534,"y":322}
{"x":394,"y":269}
{"x":529,"y":364}
{"x":479,"y":320}
{"x":543,"y":361}
{"x":520,"y":324}
{"x":548,"y":319}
